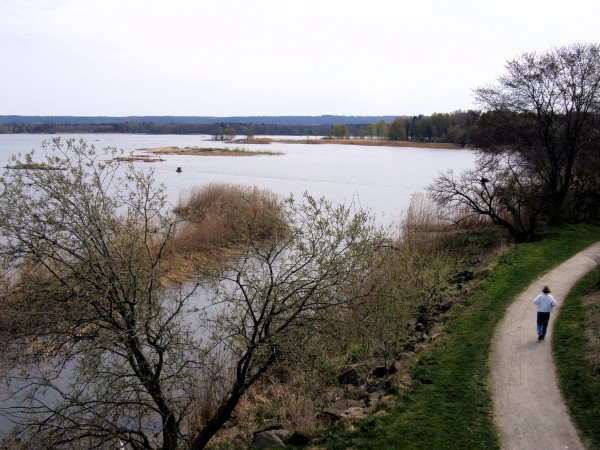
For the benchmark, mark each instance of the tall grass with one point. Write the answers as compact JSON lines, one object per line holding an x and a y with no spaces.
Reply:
{"x":424,"y":220}
{"x":223,"y":215}
{"x":218,"y":220}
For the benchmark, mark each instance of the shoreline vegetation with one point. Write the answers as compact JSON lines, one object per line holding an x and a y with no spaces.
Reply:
{"x":448,"y":381}
{"x":152,"y":154}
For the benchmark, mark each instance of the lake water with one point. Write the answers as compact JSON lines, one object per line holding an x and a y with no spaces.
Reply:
{"x":381,"y":179}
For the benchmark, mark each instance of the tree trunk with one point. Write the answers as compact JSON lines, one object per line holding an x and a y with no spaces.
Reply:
{"x":222,"y":415}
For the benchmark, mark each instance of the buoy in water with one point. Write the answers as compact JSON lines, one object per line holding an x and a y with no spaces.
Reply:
{"x":178,"y":170}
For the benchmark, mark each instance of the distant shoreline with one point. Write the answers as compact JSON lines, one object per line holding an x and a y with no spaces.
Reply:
{"x":364,"y":142}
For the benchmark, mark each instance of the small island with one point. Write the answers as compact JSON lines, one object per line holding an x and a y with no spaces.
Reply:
{"x":207,"y":151}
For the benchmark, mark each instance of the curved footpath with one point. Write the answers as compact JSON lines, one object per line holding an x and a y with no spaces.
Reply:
{"x":528,"y":406}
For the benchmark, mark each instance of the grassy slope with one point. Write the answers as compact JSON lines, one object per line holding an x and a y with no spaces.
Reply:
{"x":580,"y":381}
{"x":450,"y":406}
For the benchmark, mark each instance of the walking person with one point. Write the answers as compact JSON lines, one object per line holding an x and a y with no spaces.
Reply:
{"x":545,"y":305}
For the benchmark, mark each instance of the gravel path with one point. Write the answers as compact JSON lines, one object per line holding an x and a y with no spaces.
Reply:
{"x":528,"y":405}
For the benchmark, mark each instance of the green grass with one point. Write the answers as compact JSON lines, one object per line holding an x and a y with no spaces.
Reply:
{"x":579,"y":379}
{"x":449,"y":405}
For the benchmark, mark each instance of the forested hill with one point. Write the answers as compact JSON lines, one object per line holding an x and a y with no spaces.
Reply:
{"x":267,"y":120}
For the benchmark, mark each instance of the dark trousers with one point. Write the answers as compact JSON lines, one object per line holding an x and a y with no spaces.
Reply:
{"x":542,"y":323}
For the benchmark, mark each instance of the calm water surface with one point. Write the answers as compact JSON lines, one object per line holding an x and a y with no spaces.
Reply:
{"x":381,"y":179}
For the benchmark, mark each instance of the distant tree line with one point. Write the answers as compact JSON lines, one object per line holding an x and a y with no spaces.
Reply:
{"x":439,"y":127}
{"x":454,"y":127}
{"x":213,"y":129}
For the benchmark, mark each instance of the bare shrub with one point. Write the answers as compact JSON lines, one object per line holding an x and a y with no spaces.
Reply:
{"x":145,"y":359}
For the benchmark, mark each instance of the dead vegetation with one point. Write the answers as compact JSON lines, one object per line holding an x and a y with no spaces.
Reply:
{"x":215,"y":213}
{"x":216,"y":220}
{"x":139,"y":158}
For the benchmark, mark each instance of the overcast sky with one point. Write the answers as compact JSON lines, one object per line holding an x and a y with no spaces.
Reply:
{"x":269,"y":57}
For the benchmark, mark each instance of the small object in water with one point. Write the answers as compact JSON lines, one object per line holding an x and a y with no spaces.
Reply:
{"x":178,"y":170}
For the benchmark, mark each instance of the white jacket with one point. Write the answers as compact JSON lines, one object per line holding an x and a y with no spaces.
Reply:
{"x":545,"y":303}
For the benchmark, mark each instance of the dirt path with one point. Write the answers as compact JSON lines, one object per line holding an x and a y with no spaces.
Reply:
{"x":528,"y":405}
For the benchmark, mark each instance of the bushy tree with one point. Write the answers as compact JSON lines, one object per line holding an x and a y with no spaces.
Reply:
{"x":546,"y":108}
{"x":539,"y":141}
{"x":397,"y":130}
{"x":101,"y":348}
{"x":381,"y":129}
{"x":340,"y":131}
{"x":371,"y":130}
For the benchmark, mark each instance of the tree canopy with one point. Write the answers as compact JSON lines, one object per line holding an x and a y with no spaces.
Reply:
{"x":542,"y":120}
{"x":546,"y":108}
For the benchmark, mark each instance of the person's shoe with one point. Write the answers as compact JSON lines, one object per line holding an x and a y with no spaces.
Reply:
{"x":540,"y":338}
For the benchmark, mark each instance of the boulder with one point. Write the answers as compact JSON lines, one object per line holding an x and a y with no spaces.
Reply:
{"x":342,"y":409}
{"x":270,"y":438}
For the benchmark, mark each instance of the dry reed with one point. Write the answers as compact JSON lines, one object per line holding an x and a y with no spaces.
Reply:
{"x":225,"y":215}
{"x":424,"y":220}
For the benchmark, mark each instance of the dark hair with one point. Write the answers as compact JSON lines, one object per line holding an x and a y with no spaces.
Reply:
{"x":546,"y":290}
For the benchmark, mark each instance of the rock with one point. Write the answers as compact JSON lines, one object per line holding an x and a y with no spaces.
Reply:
{"x":383,"y":372}
{"x":462,"y":277}
{"x":373,"y":399}
{"x":355,"y":392}
{"x":342,"y":409}
{"x":267,"y":439}
{"x":333,"y":395}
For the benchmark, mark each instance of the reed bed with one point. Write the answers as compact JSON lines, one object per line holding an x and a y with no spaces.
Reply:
{"x":424,"y":220}
{"x":219,"y":215}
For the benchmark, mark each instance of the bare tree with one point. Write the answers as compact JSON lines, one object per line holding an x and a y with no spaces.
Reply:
{"x":98,"y":349}
{"x":501,"y":187}
{"x":269,"y":298}
{"x":84,"y":242}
